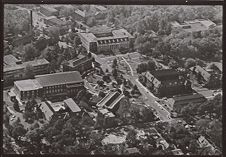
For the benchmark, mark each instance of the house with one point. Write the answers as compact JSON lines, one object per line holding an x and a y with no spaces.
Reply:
{"x":11,"y":60}
{"x":47,"y":110}
{"x":81,"y":63}
{"x":15,"y":70}
{"x":174,"y":102}
{"x":216,"y":66}
{"x":101,"y":39}
{"x":47,"y":10}
{"x":199,"y":71}
{"x":132,"y":151}
{"x":73,"y":107}
{"x":203,"y":143}
{"x":54,"y":21}
{"x":177,"y":152}
{"x":167,"y":82}
{"x":111,"y":101}
{"x":79,"y":15}
{"x":193,"y":27}
{"x":56,"y":85}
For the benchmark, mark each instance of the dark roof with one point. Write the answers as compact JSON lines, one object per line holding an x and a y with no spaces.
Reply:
{"x":189,"y":97}
{"x":59,"y":78}
{"x":165,"y":74}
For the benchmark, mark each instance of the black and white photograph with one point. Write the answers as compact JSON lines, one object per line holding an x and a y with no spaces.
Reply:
{"x":94,"y":79}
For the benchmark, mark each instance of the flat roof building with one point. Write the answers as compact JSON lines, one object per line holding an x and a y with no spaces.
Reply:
{"x":81,"y":63}
{"x":16,"y":71}
{"x":104,"y":39}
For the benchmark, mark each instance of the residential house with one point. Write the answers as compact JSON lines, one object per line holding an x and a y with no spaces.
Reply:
{"x":47,"y":10}
{"x":179,"y":101}
{"x":200,"y":72}
{"x":177,"y":152}
{"x":167,"y":82}
{"x":47,"y":110}
{"x":132,"y":151}
{"x":74,"y":109}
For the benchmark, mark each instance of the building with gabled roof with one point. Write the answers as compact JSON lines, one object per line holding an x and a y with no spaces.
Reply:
{"x":167,"y":82}
{"x":47,"y":110}
{"x":70,"y":103}
{"x":56,"y":85}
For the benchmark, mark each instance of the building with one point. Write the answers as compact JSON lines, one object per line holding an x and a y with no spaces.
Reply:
{"x":103,"y":39}
{"x":47,"y":110}
{"x":179,"y":101}
{"x":48,"y":10}
{"x":79,"y":15}
{"x":54,"y":21}
{"x":72,"y":106}
{"x":60,"y":84}
{"x":132,"y":151}
{"x":111,"y":101}
{"x":11,"y":60}
{"x":81,"y":63}
{"x":167,"y":82}
{"x":177,"y":152}
{"x":204,"y":143}
{"x":56,"y":85}
{"x":16,"y":69}
{"x":199,"y":71}
{"x":193,"y":27}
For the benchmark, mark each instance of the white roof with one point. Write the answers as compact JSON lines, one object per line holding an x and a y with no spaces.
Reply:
{"x":27,"y":85}
{"x":81,"y":13}
{"x":113,"y":139}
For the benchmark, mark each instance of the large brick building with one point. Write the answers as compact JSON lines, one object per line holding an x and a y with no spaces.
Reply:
{"x":49,"y":86}
{"x":105,"y":39}
{"x":81,"y":63}
{"x":167,"y":82}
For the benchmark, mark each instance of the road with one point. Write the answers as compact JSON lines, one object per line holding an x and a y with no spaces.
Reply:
{"x":150,"y":100}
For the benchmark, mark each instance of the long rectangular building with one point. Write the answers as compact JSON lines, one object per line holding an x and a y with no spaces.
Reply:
{"x":16,"y":70}
{"x":98,"y":40}
{"x":49,"y":86}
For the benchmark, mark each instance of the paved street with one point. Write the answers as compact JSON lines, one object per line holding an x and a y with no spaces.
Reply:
{"x":150,"y":99}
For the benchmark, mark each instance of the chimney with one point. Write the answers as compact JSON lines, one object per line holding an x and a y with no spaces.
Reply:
{"x":31,"y":18}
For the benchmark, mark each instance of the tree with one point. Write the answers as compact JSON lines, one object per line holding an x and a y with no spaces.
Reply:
{"x":189,"y":63}
{"x":115,"y":73}
{"x":142,"y":67}
{"x":115,"y":63}
{"x":131,"y":138}
{"x":16,"y":105}
{"x":91,"y":21}
{"x":30,"y":52}
{"x":29,"y":72}
{"x":18,"y":131}
{"x":151,"y":66}
{"x":41,"y":44}
{"x":77,"y":41}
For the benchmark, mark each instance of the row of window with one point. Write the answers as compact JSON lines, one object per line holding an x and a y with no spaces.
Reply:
{"x":112,"y":41}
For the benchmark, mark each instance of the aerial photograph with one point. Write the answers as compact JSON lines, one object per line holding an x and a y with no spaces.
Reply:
{"x":112,"y":79}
